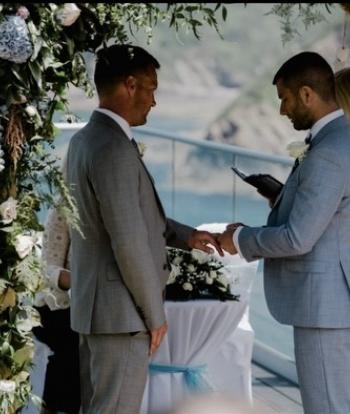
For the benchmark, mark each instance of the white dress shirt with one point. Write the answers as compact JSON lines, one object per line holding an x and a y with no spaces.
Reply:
{"x":124,"y":125}
{"x":315,"y":129}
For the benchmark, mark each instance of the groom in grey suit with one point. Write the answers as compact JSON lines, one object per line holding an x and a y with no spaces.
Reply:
{"x":306,"y":243}
{"x":119,"y":267}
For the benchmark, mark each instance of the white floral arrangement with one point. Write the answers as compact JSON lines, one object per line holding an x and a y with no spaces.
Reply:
{"x":298,"y":149}
{"x":196,"y":275}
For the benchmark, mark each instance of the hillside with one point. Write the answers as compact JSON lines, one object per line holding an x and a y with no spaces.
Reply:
{"x":221,"y":89}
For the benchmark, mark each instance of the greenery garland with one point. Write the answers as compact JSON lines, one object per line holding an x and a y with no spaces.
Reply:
{"x":55,"y":37}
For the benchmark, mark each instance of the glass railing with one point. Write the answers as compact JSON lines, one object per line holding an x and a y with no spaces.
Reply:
{"x":197,"y":186}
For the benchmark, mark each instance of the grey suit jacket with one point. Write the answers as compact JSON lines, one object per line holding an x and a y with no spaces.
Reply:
{"x":119,"y":269}
{"x":306,"y":243}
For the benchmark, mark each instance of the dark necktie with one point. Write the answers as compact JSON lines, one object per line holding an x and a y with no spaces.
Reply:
{"x":307,"y":141}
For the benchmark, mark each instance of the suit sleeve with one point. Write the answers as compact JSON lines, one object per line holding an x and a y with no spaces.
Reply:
{"x":115,"y":179}
{"x":177,"y":234}
{"x":320,"y":190}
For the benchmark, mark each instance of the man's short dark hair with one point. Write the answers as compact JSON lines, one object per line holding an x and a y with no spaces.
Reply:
{"x":117,"y":62}
{"x":308,"y":69}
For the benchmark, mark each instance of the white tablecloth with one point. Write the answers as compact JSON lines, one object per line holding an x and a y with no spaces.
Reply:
{"x":200,"y":332}
{"x":214,"y":333}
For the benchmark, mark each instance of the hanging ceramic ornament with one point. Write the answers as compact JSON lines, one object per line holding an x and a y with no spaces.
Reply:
{"x":15,"y":44}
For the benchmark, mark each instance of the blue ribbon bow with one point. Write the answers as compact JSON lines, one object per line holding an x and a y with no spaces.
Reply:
{"x":193,"y":375}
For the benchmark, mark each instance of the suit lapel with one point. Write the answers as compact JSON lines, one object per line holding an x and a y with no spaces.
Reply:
{"x":336,"y":123}
{"x":106,"y":120}
{"x":151,"y":180}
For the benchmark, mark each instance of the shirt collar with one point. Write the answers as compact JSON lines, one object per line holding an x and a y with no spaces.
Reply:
{"x":119,"y":120}
{"x":316,"y":127}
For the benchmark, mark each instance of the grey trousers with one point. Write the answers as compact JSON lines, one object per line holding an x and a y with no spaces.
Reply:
{"x":323,"y":366}
{"x":113,"y":372}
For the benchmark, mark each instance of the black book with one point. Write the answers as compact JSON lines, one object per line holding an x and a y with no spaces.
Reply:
{"x":266,"y":185}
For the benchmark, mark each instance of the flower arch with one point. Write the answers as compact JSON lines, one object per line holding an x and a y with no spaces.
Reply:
{"x":42,"y":49}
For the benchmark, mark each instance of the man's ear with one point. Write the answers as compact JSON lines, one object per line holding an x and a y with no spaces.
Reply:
{"x":130,"y":84}
{"x":306,"y":95}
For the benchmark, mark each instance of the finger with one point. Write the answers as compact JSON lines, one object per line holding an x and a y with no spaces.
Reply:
{"x":213,"y":241}
{"x":153,"y":346}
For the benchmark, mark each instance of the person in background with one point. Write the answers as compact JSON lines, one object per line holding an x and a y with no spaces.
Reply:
{"x":62,"y":383}
{"x":342,"y":90}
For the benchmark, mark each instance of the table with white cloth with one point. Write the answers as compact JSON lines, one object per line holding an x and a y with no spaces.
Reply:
{"x":203,"y":333}
{"x":208,"y":336}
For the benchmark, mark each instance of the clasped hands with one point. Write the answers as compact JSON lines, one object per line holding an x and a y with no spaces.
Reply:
{"x":220,"y":241}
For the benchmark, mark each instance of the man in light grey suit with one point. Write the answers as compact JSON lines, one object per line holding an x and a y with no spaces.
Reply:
{"x":306,"y":243}
{"x":119,"y":268}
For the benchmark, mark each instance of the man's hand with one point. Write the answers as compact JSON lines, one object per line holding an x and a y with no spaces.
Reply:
{"x":64,"y":280}
{"x":199,"y":240}
{"x":226,"y":241}
{"x":157,"y":336}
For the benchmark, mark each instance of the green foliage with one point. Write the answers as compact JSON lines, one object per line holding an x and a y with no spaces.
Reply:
{"x":291,"y":13}
{"x":30,"y":94}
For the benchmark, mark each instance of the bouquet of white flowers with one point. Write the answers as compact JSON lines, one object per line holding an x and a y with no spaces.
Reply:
{"x":196,"y":275}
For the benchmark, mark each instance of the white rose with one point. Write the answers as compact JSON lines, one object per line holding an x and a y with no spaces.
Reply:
{"x":7,"y":386}
{"x":142,"y":148}
{"x":200,"y":256}
{"x":27,"y":319}
{"x":24,"y":245}
{"x":31,"y":111}
{"x":297,"y":149}
{"x":175,"y":271}
{"x":191,"y":268}
{"x":223,"y":280}
{"x":177,"y":260}
{"x":67,"y":14}
{"x":213,"y":274}
{"x":208,"y":280}
{"x":172,"y":279}
{"x":8,"y":210}
{"x":187,"y":286}
{"x":2,"y":161}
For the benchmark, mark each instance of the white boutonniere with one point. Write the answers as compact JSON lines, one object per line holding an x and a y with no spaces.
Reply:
{"x":298,"y":149}
{"x":142,"y":148}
